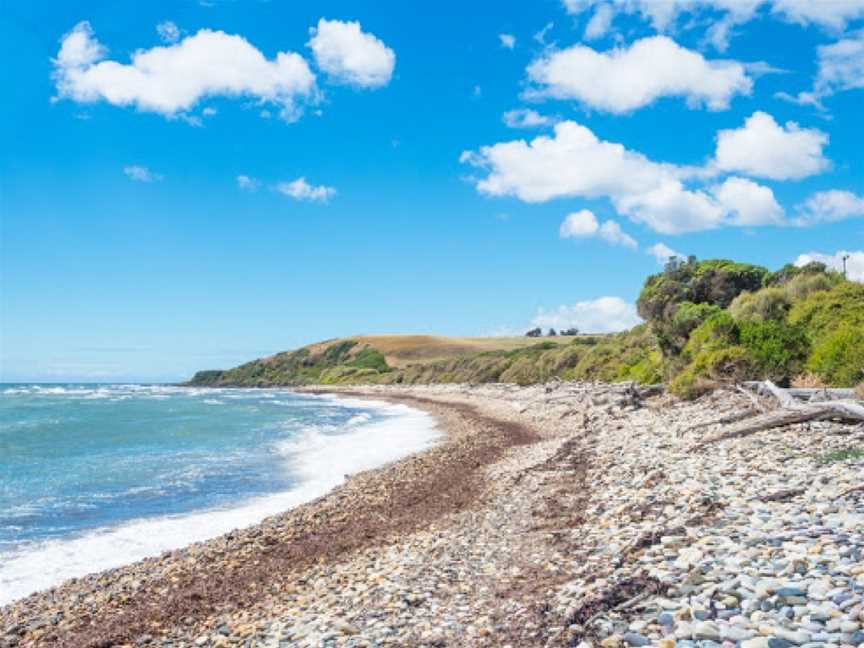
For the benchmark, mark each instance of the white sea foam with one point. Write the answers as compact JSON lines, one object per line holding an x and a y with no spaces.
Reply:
{"x":318,"y":457}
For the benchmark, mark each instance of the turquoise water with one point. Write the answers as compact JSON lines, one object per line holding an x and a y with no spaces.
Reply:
{"x":94,"y":476}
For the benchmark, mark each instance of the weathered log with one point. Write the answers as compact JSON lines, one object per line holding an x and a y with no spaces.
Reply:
{"x":841,"y":410}
{"x":809,"y":393}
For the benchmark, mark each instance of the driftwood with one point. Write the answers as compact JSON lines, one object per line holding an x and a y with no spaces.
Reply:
{"x":789,"y":412}
{"x":809,"y":393}
{"x":756,"y":404}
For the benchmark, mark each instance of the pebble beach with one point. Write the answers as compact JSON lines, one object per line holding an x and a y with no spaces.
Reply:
{"x":549,"y":515}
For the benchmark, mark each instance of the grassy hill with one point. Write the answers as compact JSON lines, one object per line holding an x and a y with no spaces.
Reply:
{"x":706,"y":323}
{"x":386,"y":359}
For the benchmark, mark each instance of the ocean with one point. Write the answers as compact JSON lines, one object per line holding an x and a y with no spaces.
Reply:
{"x":97,"y":476}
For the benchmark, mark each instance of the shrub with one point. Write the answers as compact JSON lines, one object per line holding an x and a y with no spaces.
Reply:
{"x":765,"y":304}
{"x":716,"y":332}
{"x":806,"y":284}
{"x":715,"y":283}
{"x":824,"y":311}
{"x":709,"y":367}
{"x":778,"y":349}
{"x":369,"y":358}
{"x":838,"y":358}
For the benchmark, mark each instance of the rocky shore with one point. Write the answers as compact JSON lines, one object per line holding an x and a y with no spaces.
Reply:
{"x":559,"y":515}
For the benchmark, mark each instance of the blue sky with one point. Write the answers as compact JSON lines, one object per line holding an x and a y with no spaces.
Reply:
{"x":191,"y":185}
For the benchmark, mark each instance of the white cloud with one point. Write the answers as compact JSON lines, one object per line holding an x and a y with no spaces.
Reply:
{"x":209,"y":111}
{"x":168,"y":31}
{"x":579,"y":224}
{"x":602,"y":315}
{"x":508,"y":41}
{"x":600,"y":22}
{"x":171,"y":80}
{"x":662,"y":253}
{"x":349,"y":55}
{"x":299,"y":189}
{"x":854,"y":262}
{"x":841,"y":67}
{"x":583,"y":224}
{"x":141,"y":173}
{"x":526,"y":118}
{"x":611,"y":232}
{"x":575,"y":163}
{"x":833,"y":14}
{"x":763,"y":148}
{"x":248,"y":183}
{"x":749,"y":203}
{"x":829,"y":207}
{"x":724,"y":15}
{"x":623,"y":80}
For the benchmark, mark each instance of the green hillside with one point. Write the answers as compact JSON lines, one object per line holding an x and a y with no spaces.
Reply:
{"x":706,"y":323}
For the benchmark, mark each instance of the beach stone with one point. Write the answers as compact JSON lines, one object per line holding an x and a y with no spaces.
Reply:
{"x":774,"y":642}
{"x":706,"y":630}
{"x":635,"y":639}
{"x":735,"y":633}
{"x":755,"y":642}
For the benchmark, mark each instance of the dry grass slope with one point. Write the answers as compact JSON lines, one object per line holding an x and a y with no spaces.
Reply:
{"x":403,"y":350}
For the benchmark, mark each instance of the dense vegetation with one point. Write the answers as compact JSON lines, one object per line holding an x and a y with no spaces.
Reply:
{"x":706,"y":323}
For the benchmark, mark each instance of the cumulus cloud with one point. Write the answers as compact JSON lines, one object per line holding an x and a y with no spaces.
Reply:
{"x":602,"y":315}
{"x":662,"y":253}
{"x":299,"y":189}
{"x":248,"y":183}
{"x":168,"y":32}
{"x":141,"y":173}
{"x":625,"y":79}
{"x":725,"y":15}
{"x":349,"y":55}
{"x":584,"y":224}
{"x":854,"y":262}
{"x":526,"y":118}
{"x":508,"y":41}
{"x":764,"y":148}
{"x":829,"y":207}
{"x":749,"y":203}
{"x":841,"y":67}
{"x":575,"y":163}
{"x":171,"y":80}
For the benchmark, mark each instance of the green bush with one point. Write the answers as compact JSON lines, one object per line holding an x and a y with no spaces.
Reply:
{"x":838,"y":358}
{"x":369,"y":358}
{"x":822,"y":312}
{"x":778,"y":350}
{"x":766,"y":304}
{"x":806,"y":284}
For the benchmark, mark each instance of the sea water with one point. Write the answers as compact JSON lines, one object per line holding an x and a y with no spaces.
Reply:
{"x":97,"y":476}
